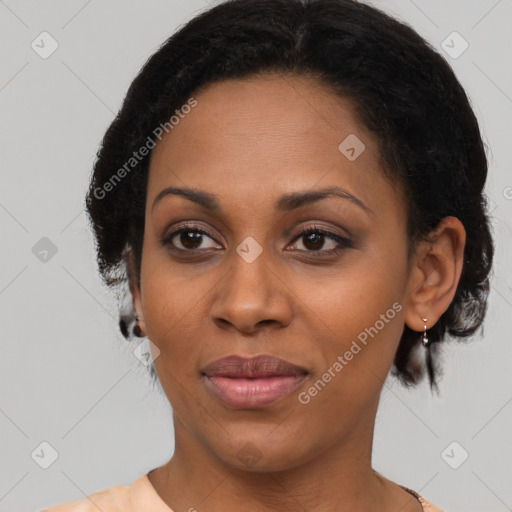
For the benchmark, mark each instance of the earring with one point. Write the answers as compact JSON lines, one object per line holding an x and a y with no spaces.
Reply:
{"x":136,"y":328}
{"x":424,"y":338}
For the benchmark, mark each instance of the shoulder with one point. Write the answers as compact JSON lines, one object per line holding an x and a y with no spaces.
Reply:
{"x":114,"y":499}
{"x":427,"y":506}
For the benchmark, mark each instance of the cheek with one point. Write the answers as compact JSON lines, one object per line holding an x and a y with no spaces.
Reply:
{"x":365,"y":323}
{"x":171,"y":315}
{"x":364,"y":316}
{"x":367,"y":306}
{"x":171,"y":305}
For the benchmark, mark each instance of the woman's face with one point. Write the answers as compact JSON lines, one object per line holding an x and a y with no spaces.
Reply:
{"x":240,"y":279}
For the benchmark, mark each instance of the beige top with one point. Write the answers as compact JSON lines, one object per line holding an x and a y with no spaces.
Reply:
{"x":141,"y":495}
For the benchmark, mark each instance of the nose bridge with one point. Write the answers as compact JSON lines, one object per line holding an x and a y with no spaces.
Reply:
{"x":251,"y":271}
{"x":250,"y":293}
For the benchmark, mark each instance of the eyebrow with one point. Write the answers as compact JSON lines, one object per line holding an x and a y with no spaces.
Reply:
{"x":286,"y":202}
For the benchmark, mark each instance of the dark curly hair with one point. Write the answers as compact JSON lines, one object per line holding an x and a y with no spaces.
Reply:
{"x":402,"y":90}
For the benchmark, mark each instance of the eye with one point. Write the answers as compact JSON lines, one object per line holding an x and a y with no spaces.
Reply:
{"x":188,"y":238}
{"x":314,"y":240}
{"x":191,"y":238}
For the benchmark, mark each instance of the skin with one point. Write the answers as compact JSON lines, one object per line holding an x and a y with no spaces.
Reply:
{"x":249,"y":142}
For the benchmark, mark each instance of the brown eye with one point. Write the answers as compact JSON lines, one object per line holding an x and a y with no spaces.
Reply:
{"x":315,"y":239}
{"x":189,"y":239}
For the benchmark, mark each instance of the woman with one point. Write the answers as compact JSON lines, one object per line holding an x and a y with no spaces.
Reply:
{"x":292,"y":191}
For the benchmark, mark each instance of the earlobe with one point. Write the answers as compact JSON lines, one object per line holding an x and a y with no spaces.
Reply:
{"x":435,"y":274}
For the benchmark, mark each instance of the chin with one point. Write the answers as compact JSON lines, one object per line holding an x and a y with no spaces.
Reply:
{"x":264,"y":453}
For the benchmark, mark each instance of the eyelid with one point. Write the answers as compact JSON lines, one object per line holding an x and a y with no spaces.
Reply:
{"x":167,"y":237}
{"x":343,"y":241}
{"x":324,"y":230}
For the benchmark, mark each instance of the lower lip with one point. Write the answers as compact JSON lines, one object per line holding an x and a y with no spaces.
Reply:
{"x":244,"y":393}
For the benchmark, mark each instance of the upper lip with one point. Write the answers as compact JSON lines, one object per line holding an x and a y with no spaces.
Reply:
{"x":260,"y":366}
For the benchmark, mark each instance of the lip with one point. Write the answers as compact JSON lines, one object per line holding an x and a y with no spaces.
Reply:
{"x":251,"y":383}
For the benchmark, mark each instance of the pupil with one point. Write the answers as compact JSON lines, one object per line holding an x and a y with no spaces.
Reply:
{"x":189,"y":239}
{"x":316,"y":239}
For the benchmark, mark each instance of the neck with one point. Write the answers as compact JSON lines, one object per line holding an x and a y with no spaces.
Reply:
{"x":341,"y":478}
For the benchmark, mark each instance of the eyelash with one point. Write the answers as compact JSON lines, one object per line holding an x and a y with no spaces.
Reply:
{"x":343,"y":242}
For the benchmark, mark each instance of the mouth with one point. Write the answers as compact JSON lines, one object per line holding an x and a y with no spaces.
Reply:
{"x":252,"y":383}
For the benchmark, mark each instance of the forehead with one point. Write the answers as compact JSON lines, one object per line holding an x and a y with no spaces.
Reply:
{"x":252,"y":139}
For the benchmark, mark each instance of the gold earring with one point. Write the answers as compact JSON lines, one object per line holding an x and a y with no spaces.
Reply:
{"x":424,"y":338}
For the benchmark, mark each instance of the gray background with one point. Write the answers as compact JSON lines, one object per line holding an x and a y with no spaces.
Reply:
{"x":68,"y":378}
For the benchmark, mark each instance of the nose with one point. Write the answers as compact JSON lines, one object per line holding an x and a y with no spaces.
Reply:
{"x":252,"y":296}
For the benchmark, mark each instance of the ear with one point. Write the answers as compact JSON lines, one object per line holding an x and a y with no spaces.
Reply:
{"x":435,"y":273}
{"x":133,"y":280}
